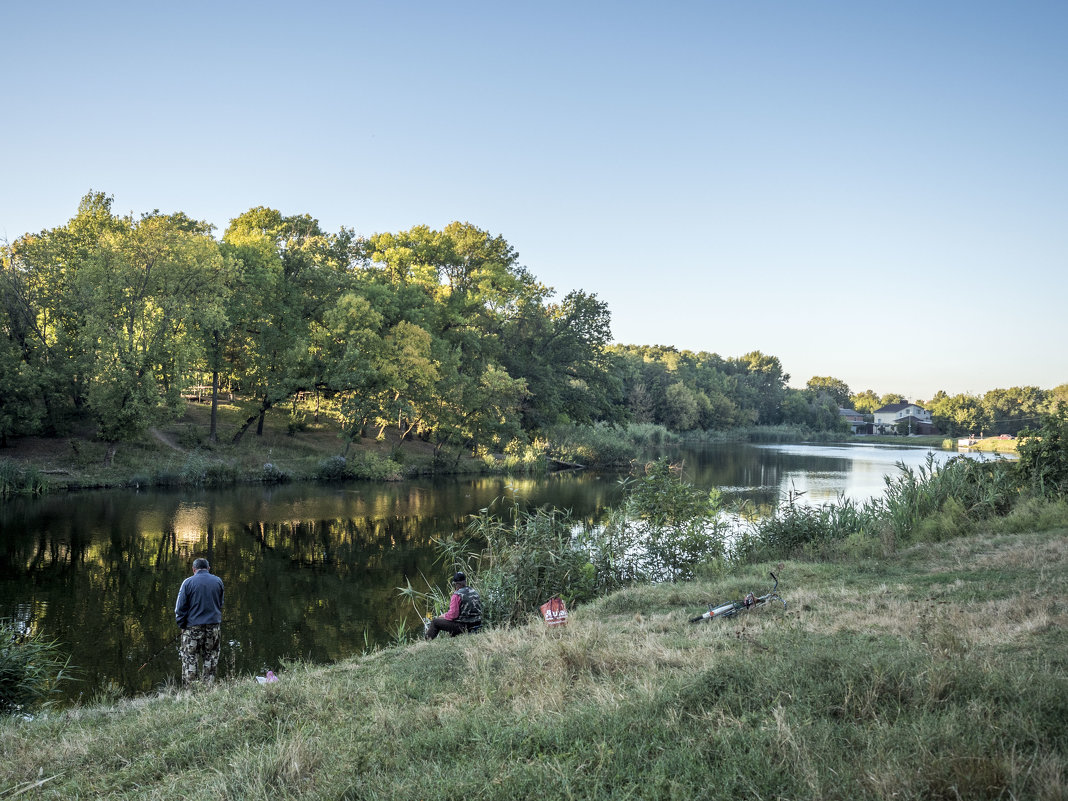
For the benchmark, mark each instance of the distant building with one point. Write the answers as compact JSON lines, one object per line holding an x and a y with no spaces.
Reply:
{"x":856,"y":421}
{"x":892,"y":417}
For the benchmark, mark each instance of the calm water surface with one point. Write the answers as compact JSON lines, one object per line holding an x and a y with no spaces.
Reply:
{"x":312,"y":571}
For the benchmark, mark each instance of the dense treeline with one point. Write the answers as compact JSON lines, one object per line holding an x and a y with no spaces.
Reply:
{"x":999,"y":411}
{"x":438,"y":334}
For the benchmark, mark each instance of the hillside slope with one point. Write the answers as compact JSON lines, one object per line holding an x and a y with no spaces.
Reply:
{"x":940,"y":673}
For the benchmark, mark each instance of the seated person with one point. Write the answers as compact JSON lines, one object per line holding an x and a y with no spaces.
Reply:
{"x":465,"y":611}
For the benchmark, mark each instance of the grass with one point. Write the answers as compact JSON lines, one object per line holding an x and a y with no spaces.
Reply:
{"x":995,"y":445}
{"x":938,"y":672}
{"x":179,"y":453}
{"x":293,"y":446}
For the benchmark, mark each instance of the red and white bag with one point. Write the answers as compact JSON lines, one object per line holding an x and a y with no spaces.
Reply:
{"x":554,"y":612}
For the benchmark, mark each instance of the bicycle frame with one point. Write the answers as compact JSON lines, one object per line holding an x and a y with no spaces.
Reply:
{"x":732,"y":608}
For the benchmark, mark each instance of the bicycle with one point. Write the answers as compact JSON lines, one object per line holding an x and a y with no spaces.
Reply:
{"x":750,"y":601}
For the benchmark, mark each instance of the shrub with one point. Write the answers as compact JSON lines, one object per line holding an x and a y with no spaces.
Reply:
{"x":333,"y":468}
{"x":598,"y":445}
{"x":795,"y":529}
{"x":273,"y":474}
{"x":528,"y":558}
{"x":1043,"y":464}
{"x":15,"y":480}
{"x":200,"y":471}
{"x":31,"y":668}
{"x":677,"y":526}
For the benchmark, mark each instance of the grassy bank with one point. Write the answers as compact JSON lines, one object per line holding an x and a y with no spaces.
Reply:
{"x":293,"y":446}
{"x":940,"y":672}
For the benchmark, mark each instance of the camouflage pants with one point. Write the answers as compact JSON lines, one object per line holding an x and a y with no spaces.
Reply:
{"x":200,"y":643}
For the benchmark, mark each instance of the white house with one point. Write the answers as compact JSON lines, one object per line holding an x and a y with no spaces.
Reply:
{"x":917,"y":418}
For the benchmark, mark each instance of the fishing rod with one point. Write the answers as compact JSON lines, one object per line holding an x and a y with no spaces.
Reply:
{"x":159,"y":650}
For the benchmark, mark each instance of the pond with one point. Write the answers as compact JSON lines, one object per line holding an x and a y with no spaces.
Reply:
{"x":312,"y":571}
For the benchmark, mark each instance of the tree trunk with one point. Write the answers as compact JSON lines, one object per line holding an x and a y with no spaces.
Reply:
{"x":213,"y":435}
{"x":258,"y":415}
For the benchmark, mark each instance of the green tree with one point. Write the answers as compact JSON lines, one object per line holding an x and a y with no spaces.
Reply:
{"x":139,"y":291}
{"x":1008,"y":411}
{"x":835,"y":388}
{"x":292,"y":274}
{"x":865,"y":402}
{"x":683,"y":407}
{"x":763,"y":384}
{"x":957,"y":415}
{"x":1043,"y":463}
{"x":44,"y":299}
{"x":559,"y":351}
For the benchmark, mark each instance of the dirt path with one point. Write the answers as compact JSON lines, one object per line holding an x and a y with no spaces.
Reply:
{"x":166,"y":440}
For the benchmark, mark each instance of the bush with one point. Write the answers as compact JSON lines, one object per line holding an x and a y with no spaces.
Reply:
{"x":31,"y":668}
{"x":795,"y":529}
{"x":273,"y":474}
{"x":333,"y":468}
{"x":528,"y":558}
{"x":598,"y":445}
{"x":200,"y":471}
{"x":367,"y":466}
{"x":1043,"y":464}
{"x":673,"y":526}
{"x":15,"y":480}
{"x":978,"y":489}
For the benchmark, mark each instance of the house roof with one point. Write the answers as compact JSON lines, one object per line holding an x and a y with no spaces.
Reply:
{"x":897,"y":407}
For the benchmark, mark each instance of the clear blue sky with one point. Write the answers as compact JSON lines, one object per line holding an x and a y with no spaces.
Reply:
{"x":872,"y":191}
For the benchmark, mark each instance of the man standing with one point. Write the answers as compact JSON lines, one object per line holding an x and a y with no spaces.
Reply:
{"x":199,"y":615}
{"x":465,"y":610}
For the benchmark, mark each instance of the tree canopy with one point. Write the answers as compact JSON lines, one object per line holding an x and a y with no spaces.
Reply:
{"x":438,"y":334}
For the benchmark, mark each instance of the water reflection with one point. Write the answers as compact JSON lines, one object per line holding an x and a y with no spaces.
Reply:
{"x":311,"y":571}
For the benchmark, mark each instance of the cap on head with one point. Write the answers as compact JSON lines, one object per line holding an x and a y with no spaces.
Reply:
{"x":200,"y":564}
{"x":459,"y":578}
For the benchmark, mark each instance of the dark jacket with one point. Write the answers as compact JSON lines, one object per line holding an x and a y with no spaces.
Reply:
{"x":200,"y":600}
{"x":470,"y":605}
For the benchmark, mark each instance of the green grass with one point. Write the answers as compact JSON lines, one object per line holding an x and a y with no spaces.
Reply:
{"x":995,"y":445}
{"x":938,"y":672}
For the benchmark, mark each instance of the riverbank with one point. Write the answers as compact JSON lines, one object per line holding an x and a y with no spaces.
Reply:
{"x":299,"y":445}
{"x":938,"y":672}
{"x":292,"y":447}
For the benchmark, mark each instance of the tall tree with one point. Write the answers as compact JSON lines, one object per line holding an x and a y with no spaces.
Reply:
{"x":560,"y":351}
{"x":138,"y":291}
{"x":835,"y":388}
{"x":292,"y":274}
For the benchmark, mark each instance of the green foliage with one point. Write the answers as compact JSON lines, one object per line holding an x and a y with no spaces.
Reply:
{"x":677,"y":526}
{"x":974,"y":490}
{"x":201,"y":470}
{"x":795,"y":529}
{"x":31,"y":668}
{"x":15,"y":480}
{"x":599,"y":445}
{"x":1043,"y":464}
{"x":528,"y":558}
{"x":273,"y":474}
{"x":436,"y":334}
{"x":834,"y":388}
{"x":367,"y":466}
